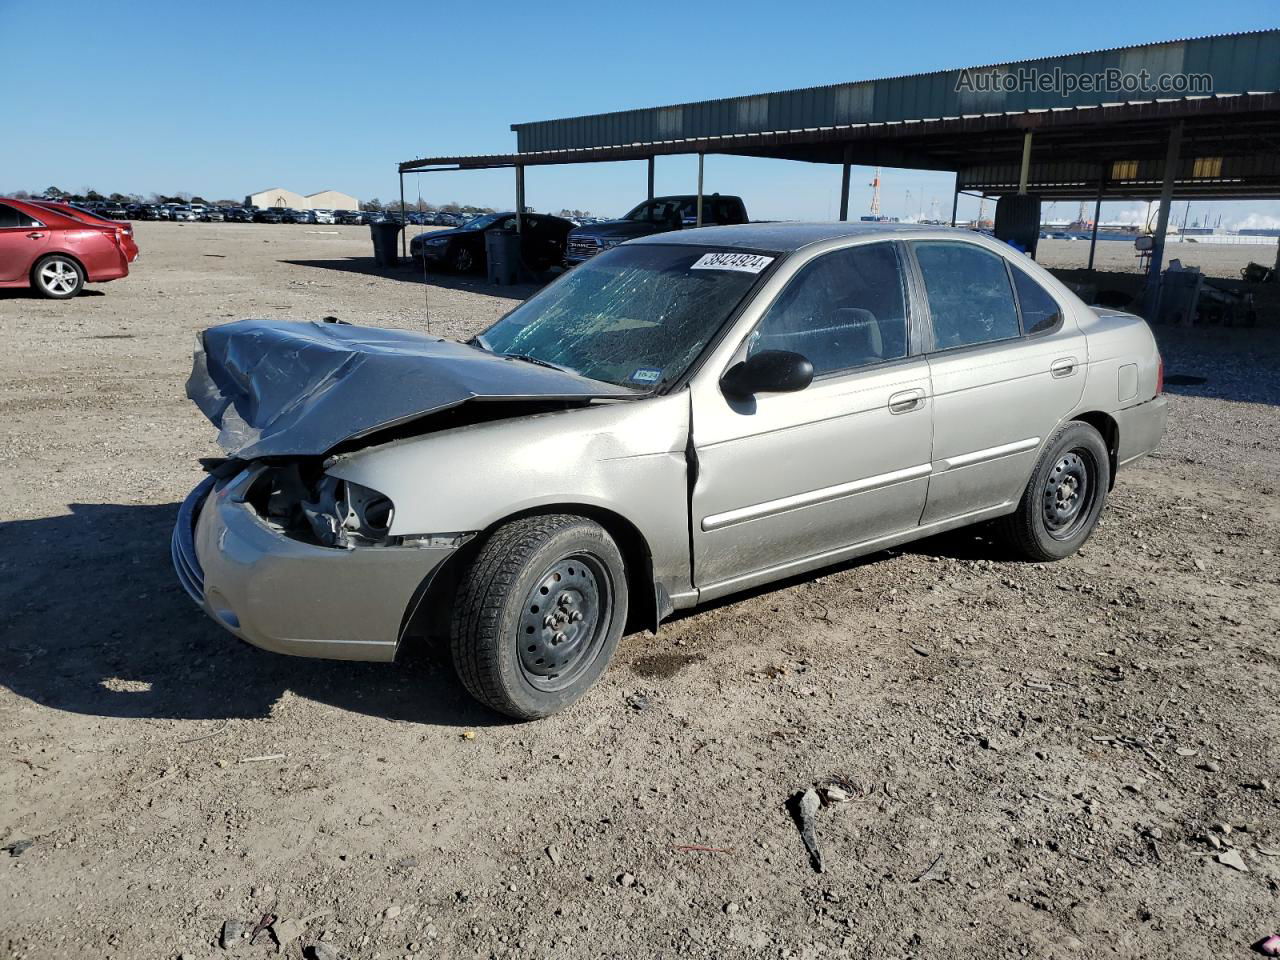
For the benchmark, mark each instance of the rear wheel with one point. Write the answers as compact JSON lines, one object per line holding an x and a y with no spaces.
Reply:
{"x":538,"y":615}
{"x":1062,"y":502}
{"x":57,"y":277}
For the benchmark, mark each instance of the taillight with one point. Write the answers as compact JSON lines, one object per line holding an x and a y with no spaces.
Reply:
{"x":1159,"y":375}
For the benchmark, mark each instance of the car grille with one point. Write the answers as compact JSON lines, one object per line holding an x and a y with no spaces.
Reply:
{"x":582,"y":247}
{"x":182,"y":546}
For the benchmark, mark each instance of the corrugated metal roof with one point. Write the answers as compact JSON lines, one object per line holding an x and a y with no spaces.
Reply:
{"x":1237,"y":62}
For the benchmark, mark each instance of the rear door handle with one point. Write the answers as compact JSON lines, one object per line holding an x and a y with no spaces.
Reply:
{"x":35,"y":235}
{"x":906,"y":401}
{"x":1063,"y":367}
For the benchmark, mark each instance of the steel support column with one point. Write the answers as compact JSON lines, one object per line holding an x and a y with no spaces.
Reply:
{"x":1097,"y":215}
{"x":955,"y":201}
{"x":1151,"y":299}
{"x":404,"y":251}
{"x":701,"y":158}
{"x":651,"y":159}
{"x":519,"y":198}
{"x":1025,"y":173}
{"x":844,"y":187}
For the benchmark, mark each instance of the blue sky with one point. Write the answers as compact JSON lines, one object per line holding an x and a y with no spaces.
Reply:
{"x":222,"y":99}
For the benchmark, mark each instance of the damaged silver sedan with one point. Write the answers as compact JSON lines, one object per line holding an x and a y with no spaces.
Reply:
{"x":680,"y":418}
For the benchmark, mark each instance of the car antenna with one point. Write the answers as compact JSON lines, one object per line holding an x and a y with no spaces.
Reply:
{"x":426,"y":293}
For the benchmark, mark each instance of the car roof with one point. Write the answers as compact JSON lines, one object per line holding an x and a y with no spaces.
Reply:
{"x":789,"y":236}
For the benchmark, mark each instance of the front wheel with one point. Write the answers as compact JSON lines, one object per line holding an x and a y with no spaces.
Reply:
{"x":462,"y":260}
{"x":58,"y":277}
{"x":538,"y":615}
{"x":1061,"y":505}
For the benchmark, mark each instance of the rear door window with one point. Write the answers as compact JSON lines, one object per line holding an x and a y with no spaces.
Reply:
{"x":842,"y":310}
{"x":969,"y":294}
{"x":13,"y":217}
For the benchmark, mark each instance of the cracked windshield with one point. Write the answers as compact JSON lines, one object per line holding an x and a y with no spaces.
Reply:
{"x":635,"y":316}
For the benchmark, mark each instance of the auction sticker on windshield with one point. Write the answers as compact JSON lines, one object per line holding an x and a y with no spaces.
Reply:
{"x":742,"y":262}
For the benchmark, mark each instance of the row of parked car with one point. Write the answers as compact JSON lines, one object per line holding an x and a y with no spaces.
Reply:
{"x":207,"y":213}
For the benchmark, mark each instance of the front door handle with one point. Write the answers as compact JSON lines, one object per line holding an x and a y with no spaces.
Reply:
{"x":1063,"y":367}
{"x":35,"y":235}
{"x":906,"y":401}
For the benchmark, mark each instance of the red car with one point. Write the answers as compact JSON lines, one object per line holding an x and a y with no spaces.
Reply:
{"x":57,"y":248}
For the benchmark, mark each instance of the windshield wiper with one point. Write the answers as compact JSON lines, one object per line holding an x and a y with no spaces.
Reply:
{"x":527,"y":358}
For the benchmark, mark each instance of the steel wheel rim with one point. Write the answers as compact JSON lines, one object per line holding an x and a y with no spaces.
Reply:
{"x":58,"y":276}
{"x":1068,"y":494}
{"x":564,"y":621}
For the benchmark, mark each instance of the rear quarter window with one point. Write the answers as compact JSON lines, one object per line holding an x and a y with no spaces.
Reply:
{"x":1040,"y":312}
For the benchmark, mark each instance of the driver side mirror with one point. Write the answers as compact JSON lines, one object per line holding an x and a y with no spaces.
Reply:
{"x":770,"y":371}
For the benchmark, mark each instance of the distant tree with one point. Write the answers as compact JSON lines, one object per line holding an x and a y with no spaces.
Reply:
{"x":117,"y":197}
{"x":92,"y":194}
{"x":183,"y":196}
{"x":154,"y":197}
{"x":53,"y":193}
{"x":226,"y":203}
{"x":451,"y":207}
{"x":373,"y":204}
{"x":20,"y":195}
{"x":199,"y":199}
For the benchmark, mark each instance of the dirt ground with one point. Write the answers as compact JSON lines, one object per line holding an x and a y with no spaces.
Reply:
{"x":1074,"y":759}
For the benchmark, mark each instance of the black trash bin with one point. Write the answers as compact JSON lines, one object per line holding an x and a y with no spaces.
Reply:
{"x":386,"y":236}
{"x":502,"y":252}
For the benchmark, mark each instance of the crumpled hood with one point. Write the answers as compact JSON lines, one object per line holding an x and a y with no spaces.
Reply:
{"x":282,"y":388}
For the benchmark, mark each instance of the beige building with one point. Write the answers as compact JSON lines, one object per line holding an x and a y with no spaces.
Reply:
{"x":332,"y":200}
{"x":280,"y":197}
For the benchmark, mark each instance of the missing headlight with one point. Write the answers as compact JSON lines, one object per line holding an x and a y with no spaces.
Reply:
{"x":345,"y":514}
{"x":302,"y":502}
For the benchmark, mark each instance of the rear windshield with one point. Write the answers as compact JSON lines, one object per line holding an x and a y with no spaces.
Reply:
{"x":636,"y":316}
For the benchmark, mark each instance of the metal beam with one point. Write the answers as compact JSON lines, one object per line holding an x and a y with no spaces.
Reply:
{"x":1097,"y":215}
{"x":519,"y":198}
{"x":844,"y":187}
{"x":404,"y":251}
{"x":1026,"y":164}
{"x":651,"y":164}
{"x":955,"y":201}
{"x":701,"y":158}
{"x":1151,"y":300}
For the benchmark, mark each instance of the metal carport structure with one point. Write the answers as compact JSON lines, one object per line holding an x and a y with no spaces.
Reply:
{"x":1216,"y":140}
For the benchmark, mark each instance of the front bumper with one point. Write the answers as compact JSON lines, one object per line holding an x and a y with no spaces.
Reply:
{"x":291,"y":597}
{"x":429,"y":251}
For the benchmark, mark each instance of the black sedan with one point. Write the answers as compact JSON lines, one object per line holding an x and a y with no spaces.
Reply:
{"x":542,"y":240}
{"x":267,"y":216}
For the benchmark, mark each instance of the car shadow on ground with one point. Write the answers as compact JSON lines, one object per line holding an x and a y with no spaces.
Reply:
{"x":409,"y":272}
{"x":1240,"y":364}
{"x":26,"y":293}
{"x":93,"y":622}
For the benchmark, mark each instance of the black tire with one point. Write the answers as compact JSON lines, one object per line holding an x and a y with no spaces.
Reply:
{"x":461,"y":259}
{"x":57,"y":277}
{"x":1062,"y":502}
{"x":507,"y":641}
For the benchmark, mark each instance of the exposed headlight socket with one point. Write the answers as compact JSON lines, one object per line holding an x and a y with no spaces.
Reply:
{"x":345,"y":514}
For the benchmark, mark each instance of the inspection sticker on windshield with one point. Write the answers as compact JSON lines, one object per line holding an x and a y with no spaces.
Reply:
{"x":646,"y":375}
{"x":742,"y":262}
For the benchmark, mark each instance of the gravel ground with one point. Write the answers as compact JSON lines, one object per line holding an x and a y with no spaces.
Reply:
{"x":1075,"y":759}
